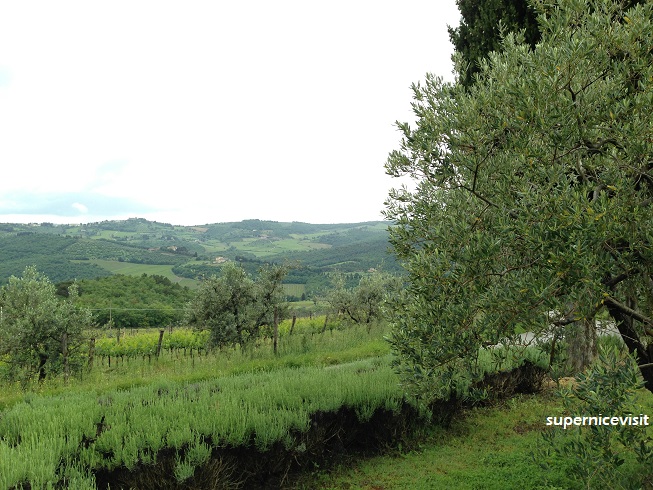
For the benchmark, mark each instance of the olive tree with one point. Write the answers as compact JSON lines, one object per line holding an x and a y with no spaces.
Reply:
{"x":364,"y":303}
{"x":39,"y":331}
{"x":532,"y":201}
{"x":233,"y":306}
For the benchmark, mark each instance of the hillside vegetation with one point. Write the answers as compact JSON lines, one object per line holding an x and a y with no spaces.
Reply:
{"x":185,"y":254}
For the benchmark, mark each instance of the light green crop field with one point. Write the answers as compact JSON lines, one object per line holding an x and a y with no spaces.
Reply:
{"x":294,"y":289}
{"x":214,"y":247}
{"x":268,"y":247}
{"x":130,"y":269}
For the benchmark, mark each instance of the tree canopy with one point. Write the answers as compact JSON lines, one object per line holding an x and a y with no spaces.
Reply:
{"x":532,"y":205}
{"x":480,"y":30}
{"x":233,"y":306}
{"x":134,"y":301}
{"x":483,"y":25}
{"x":39,"y":331}
{"x":365,"y":302}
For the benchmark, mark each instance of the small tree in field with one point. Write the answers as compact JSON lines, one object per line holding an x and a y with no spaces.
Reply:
{"x":233,"y":306}
{"x":364,"y":303}
{"x":39,"y":332}
{"x":533,"y":197}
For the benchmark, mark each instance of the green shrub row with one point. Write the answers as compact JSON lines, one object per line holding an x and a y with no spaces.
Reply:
{"x":47,"y":441}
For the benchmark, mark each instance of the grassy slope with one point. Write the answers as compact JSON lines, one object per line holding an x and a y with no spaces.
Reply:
{"x":305,"y":348}
{"x":129,"y":269}
{"x":485,"y":448}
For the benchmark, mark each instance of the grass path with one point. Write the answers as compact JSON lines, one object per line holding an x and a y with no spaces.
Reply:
{"x":485,"y":448}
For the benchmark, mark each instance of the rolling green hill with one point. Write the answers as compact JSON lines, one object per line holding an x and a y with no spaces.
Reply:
{"x":185,"y":254}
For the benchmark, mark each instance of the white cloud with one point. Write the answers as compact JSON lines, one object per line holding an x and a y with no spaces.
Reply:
{"x":80,"y":207}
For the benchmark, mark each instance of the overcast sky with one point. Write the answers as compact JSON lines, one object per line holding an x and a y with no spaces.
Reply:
{"x":193,"y":112}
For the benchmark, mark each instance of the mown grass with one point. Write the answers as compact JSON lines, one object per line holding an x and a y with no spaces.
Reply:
{"x":492,"y":447}
{"x":484,"y":448}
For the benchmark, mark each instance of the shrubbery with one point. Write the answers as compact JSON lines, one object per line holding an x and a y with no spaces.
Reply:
{"x":603,"y":456}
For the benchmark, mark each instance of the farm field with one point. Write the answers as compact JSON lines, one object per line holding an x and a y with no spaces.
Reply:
{"x":263,"y":248}
{"x":313,"y":372}
{"x":172,"y":419}
{"x":158,"y":408}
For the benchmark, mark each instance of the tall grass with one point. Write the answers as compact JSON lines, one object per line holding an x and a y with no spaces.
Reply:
{"x":123,"y":415}
{"x":305,"y":347}
{"x":43,"y":438}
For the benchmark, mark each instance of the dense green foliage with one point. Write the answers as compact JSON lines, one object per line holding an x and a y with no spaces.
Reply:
{"x":112,"y":250}
{"x":39,"y":332}
{"x":350,"y":257}
{"x":534,"y":191}
{"x":595,"y":455}
{"x":134,"y":302}
{"x":365,"y":302}
{"x":47,"y":253}
{"x":234,"y":306}
{"x":482,"y":24}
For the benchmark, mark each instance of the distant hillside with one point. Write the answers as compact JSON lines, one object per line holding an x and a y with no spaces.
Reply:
{"x":184,"y":254}
{"x":47,"y":253}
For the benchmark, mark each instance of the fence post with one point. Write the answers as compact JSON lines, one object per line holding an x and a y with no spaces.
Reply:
{"x":64,"y":351}
{"x":276,"y":331}
{"x":292,"y":325}
{"x":158,"y":347}
{"x":91,"y":353}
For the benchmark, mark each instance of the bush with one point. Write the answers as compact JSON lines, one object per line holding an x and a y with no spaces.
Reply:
{"x":594,"y":455}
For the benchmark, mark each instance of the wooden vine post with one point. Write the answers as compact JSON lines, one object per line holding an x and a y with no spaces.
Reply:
{"x":64,"y":352}
{"x":276,"y":331}
{"x":91,"y":353}
{"x":158,"y":346}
